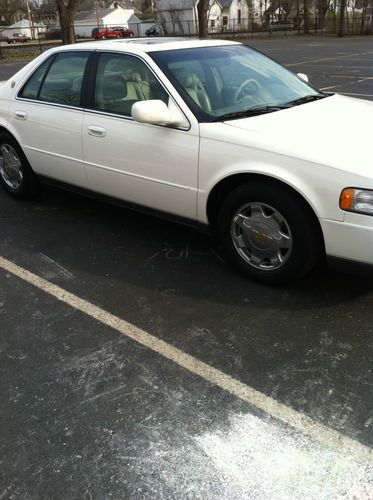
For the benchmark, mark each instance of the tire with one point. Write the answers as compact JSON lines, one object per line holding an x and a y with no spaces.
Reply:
{"x":269,"y":233}
{"x":16,"y":174}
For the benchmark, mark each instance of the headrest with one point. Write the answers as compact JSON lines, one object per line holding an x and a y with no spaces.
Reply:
{"x":189,"y":80}
{"x":56,"y":85}
{"x":115,"y":87}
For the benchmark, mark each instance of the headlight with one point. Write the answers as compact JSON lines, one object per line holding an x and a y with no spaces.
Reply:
{"x":357,"y":200}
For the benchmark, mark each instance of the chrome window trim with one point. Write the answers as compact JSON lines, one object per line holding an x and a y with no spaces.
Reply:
{"x":24,"y":82}
{"x":97,"y":111}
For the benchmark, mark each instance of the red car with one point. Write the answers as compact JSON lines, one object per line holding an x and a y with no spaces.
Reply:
{"x":18,"y":38}
{"x":113,"y":32}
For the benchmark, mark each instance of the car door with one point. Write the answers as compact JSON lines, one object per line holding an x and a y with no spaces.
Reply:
{"x":150,"y":165}
{"x":47,"y":117}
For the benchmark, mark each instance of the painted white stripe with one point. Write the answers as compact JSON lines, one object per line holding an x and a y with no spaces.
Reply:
{"x":333,"y":58}
{"x":277,"y":410}
{"x":360,"y":95}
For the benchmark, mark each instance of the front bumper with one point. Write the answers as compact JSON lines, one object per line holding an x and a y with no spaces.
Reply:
{"x":350,"y":240}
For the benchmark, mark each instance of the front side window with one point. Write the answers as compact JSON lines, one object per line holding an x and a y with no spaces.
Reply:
{"x":59,"y":82}
{"x":123,"y":80}
{"x":232,"y":81}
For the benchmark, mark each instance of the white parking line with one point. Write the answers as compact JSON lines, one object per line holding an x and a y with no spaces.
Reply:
{"x":355,"y":94}
{"x":345,"y":84}
{"x":334,"y":58}
{"x":277,"y":410}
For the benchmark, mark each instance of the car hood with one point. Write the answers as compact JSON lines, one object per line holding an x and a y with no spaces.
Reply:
{"x":335,"y":131}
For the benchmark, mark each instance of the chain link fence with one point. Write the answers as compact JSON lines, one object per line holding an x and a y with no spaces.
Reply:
{"x":25,"y":42}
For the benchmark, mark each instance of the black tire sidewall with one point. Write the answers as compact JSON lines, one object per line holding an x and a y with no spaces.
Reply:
{"x":306,"y":244}
{"x":29,"y":185}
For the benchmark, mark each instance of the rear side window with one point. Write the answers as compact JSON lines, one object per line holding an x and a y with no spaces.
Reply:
{"x":31,"y":89}
{"x":62,"y":84}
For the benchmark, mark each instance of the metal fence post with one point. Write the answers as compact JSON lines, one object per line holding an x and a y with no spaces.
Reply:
{"x":39,"y":40}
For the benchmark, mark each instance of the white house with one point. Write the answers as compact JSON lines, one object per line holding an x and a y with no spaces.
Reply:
{"x":180,"y":16}
{"x":23,"y":27}
{"x":139,"y":26}
{"x":86,"y":20}
{"x":235,"y":14}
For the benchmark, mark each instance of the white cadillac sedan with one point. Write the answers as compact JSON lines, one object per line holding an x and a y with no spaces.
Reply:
{"x":210,"y":132}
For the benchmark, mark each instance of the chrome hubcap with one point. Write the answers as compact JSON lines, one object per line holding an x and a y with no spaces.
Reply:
{"x":261,"y":236}
{"x":10,"y":166}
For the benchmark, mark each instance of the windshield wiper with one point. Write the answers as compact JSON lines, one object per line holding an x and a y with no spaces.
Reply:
{"x":250,"y":112}
{"x":306,"y":98}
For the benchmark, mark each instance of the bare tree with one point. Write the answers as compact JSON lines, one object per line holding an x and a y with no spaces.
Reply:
{"x":202,"y":10}
{"x":66,"y":11}
{"x":11,"y":11}
{"x":306,"y":24}
{"x":174,"y":13}
{"x":323,"y":7}
{"x":342,"y":15}
{"x":162,"y":21}
{"x":44,"y":11}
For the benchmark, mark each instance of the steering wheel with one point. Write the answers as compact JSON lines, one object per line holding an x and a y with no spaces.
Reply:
{"x":251,"y":84}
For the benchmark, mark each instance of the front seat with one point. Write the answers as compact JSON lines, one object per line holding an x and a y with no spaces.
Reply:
{"x":114,"y":92}
{"x":194,"y":86}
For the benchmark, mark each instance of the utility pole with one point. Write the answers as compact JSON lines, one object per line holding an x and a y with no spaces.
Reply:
{"x":96,"y":5}
{"x":29,"y":20}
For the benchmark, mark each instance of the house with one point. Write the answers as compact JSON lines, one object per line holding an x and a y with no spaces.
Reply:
{"x":235,"y":14}
{"x":139,"y":23}
{"x":180,"y":16}
{"x":23,"y":27}
{"x":86,"y":20}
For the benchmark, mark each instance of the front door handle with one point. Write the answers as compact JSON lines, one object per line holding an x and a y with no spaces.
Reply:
{"x":96,"y":131}
{"x":21,"y":115}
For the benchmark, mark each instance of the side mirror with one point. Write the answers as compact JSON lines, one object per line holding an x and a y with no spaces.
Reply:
{"x":156,"y":112}
{"x":302,"y":76}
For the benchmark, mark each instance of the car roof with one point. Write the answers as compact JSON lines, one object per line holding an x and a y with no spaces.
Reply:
{"x":137,"y":45}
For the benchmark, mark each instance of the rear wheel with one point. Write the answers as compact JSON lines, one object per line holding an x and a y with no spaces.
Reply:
{"x":16,"y":175}
{"x":269,"y":233}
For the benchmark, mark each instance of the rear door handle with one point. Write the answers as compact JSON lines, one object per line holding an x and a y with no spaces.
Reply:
{"x":96,"y":131}
{"x":21,"y":115}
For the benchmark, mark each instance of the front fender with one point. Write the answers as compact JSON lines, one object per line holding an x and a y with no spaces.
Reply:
{"x":220,"y":161}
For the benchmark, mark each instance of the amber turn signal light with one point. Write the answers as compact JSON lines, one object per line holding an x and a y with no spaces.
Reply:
{"x":346,"y":199}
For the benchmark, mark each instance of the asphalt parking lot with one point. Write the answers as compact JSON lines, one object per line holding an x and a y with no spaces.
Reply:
{"x":135,"y":363}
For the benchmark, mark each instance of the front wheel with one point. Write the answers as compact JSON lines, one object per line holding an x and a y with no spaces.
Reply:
{"x":16,"y":175}
{"x":269,"y":233}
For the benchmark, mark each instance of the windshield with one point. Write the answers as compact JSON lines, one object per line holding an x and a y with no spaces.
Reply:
{"x":225,"y":82}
